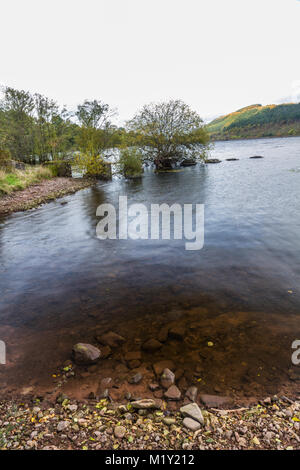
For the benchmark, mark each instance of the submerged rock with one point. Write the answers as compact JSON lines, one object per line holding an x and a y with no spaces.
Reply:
{"x":85,"y":353}
{"x":111,"y":339}
{"x":136,"y":378}
{"x":151,"y":345}
{"x":192,"y":393}
{"x":177,"y":332}
{"x":213,"y":401}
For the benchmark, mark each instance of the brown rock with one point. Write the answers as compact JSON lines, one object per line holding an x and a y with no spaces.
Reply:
{"x":214,"y":401}
{"x":177,"y":332}
{"x":111,"y":339}
{"x":173,"y":393}
{"x":133,"y":356}
{"x":105,"y":352}
{"x":163,"y":334}
{"x":151,"y":345}
{"x":167,"y":378}
{"x":192,"y":393}
{"x":153,"y":387}
{"x":85,"y":354}
{"x":134,"y":364}
{"x":136,"y":378}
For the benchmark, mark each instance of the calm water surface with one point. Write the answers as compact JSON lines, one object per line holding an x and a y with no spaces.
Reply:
{"x":56,"y":275}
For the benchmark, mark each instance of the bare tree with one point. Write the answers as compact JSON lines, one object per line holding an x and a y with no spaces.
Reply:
{"x":168,"y":132}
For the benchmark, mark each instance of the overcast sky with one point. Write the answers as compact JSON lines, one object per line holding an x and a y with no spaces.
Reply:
{"x":216,"y":55}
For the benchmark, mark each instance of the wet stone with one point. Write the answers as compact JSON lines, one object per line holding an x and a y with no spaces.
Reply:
{"x":173,"y":393}
{"x":135,"y":379}
{"x":151,"y":345}
{"x":214,"y":401}
{"x":191,"y":424}
{"x":111,"y":339}
{"x":85,"y":354}
{"x":177,"y":332}
{"x":192,"y":393}
{"x":193,"y":411}
{"x":167,"y":378}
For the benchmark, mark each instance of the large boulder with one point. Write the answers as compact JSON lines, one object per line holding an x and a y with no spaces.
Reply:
{"x":85,"y":354}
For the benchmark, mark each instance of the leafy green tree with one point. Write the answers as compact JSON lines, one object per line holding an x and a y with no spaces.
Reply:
{"x":17,"y":119}
{"x":168,"y":132}
{"x":96,"y":129}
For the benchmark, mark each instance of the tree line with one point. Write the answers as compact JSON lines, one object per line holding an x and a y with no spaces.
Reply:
{"x":33,"y":128}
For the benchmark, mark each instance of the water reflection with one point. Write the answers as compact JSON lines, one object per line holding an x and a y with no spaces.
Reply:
{"x":58,"y":282}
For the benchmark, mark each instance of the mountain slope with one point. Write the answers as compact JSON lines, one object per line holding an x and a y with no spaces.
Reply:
{"x":257,"y":121}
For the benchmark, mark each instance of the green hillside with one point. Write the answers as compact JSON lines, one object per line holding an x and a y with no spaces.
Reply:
{"x":257,"y":121}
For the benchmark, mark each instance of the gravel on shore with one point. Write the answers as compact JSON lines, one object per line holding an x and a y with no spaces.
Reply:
{"x":40,"y":193}
{"x":102,"y":425}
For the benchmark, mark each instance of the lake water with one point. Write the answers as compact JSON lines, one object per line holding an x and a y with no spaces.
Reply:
{"x":59,"y":284}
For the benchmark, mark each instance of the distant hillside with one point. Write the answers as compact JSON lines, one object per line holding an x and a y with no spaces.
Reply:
{"x":257,"y":121}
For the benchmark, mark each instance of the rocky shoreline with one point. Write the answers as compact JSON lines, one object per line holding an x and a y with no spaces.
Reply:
{"x":147,"y":424}
{"x":46,"y":191}
{"x":120,"y":414}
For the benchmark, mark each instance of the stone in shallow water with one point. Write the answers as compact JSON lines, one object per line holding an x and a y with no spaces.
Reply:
{"x":161,"y":365}
{"x":85,"y":353}
{"x":193,"y":411}
{"x":151,"y":345}
{"x":192,"y":393}
{"x":177,"y":332}
{"x":133,"y":356}
{"x":136,"y":378}
{"x":167,"y":378}
{"x":111,"y":339}
{"x":191,"y":424}
{"x":213,"y":401}
{"x":173,"y":393}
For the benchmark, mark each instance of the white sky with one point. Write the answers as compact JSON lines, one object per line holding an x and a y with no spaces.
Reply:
{"x":216,"y":55}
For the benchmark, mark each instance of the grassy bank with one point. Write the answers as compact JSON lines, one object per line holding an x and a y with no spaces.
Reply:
{"x":18,"y":180}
